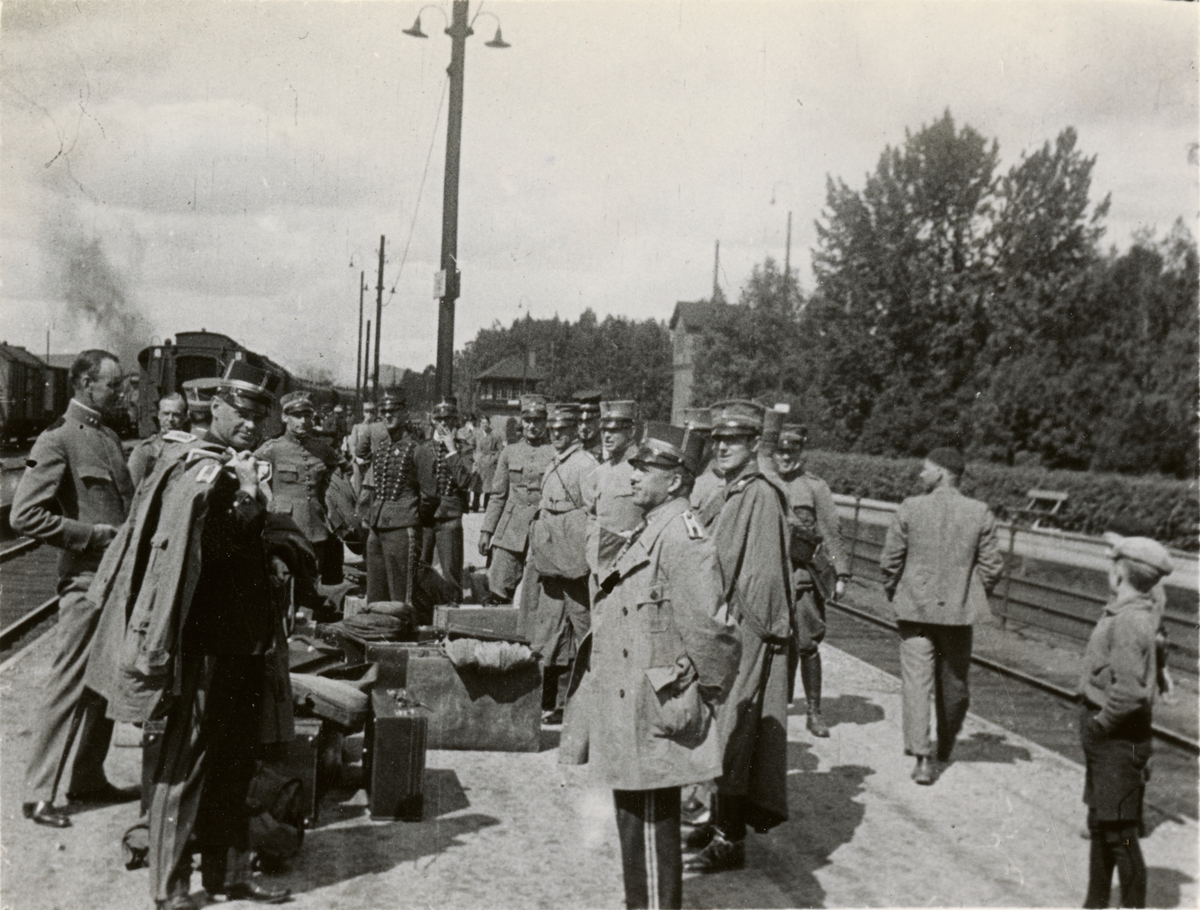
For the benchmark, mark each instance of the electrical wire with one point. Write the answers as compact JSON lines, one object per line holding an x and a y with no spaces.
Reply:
{"x":420,"y":191}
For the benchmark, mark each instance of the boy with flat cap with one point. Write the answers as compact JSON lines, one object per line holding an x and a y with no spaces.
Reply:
{"x":1120,"y":679}
{"x":940,"y":561}
{"x":663,"y":654}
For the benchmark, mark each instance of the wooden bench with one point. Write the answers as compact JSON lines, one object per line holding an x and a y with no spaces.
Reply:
{"x":1043,"y":505}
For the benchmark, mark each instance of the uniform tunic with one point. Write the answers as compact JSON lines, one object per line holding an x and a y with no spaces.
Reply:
{"x":393,"y":513}
{"x":612,"y":515}
{"x":449,"y":475}
{"x":75,"y":479}
{"x":515,"y":493}
{"x":813,"y":510}
{"x":487,"y":453}
{"x":708,"y":495}
{"x":300,"y":474}
{"x":751,"y":542}
{"x":556,"y":609}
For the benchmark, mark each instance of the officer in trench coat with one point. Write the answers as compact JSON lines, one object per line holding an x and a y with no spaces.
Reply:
{"x":663,"y":653}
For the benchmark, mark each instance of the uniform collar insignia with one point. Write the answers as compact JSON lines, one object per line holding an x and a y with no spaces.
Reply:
{"x":85,"y":415}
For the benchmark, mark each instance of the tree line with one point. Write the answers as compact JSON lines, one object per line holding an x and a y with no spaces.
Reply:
{"x":953,"y":304}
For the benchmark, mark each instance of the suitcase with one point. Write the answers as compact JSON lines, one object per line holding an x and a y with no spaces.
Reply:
{"x":488,"y":623}
{"x":314,"y":757}
{"x":394,"y":757}
{"x":472,"y":709}
{"x":335,"y":700}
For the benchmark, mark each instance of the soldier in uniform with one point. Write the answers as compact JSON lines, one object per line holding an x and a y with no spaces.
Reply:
{"x":74,"y":494}
{"x":663,"y":654}
{"x":199,"y":393}
{"x":196,"y":667}
{"x":612,"y":512}
{"x":395,"y":501}
{"x":708,"y":494}
{"x":940,"y":560}
{"x":818,"y":558}
{"x":589,"y":422}
{"x":301,"y":467}
{"x":449,"y":475}
{"x":750,"y":537}
{"x":555,"y":596}
{"x":172,"y":418}
{"x":516,"y":491}
{"x":487,"y":452}
{"x":350,"y":445}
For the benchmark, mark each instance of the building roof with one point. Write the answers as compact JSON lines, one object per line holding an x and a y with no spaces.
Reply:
{"x":19,"y":354}
{"x":694,"y":315}
{"x":513,"y":368}
{"x":64,"y":361}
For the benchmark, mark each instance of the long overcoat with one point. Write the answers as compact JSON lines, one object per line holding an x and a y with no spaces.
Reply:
{"x":664,"y":652}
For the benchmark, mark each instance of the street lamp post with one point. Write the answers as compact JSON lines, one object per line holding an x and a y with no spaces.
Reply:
{"x":459,"y":30}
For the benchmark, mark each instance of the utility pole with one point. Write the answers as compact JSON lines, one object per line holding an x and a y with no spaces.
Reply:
{"x":358,"y":370}
{"x":378,"y":318}
{"x":458,"y":31}
{"x":367,"y":365}
{"x":716,"y":293}
{"x":787,"y":257}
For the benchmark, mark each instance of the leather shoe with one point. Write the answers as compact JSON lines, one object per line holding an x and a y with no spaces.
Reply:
{"x":923,"y":772}
{"x":177,"y":902}
{"x":105,"y":794}
{"x":816,"y":724}
{"x":700,"y":837}
{"x":254,"y":891}
{"x":720,"y":855}
{"x":552,"y":718}
{"x":44,"y":813}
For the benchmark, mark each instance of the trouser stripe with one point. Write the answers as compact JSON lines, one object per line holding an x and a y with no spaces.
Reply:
{"x":651,"y":851}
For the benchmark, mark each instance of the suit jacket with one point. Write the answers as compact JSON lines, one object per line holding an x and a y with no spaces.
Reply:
{"x":941,"y":558}
{"x":75,"y":478}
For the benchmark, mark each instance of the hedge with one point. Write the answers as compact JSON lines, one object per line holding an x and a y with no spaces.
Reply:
{"x":1163,"y":508}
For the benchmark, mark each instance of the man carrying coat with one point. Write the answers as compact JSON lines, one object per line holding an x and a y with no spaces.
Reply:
{"x":663,"y":654}
{"x":750,"y":537}
{"x":940,"y":561}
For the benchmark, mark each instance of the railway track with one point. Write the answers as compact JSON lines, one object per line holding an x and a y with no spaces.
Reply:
{"x":28,"y":602}
{"x":1032,"y":707}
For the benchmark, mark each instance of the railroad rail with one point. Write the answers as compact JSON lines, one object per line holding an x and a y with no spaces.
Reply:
{"x":1053,"y":580}
{"x":1163,"y":733}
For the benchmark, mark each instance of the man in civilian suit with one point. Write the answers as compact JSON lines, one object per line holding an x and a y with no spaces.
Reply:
{"x":940,"y":560}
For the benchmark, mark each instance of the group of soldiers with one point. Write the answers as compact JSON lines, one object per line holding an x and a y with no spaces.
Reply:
{"x":672,"y":580}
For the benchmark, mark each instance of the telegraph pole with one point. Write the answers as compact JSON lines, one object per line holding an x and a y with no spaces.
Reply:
{"x":358,"y":370}
{"x":367,"y":365}
{"x":378,"y":318}
{"x":458,"y":31}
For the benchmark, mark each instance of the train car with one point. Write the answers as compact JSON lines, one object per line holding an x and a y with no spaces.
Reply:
{"x":32,"y":394}
{"x":200,"y":355}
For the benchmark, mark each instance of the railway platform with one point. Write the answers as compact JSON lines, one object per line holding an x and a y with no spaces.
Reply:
{"x":1000,"y":827}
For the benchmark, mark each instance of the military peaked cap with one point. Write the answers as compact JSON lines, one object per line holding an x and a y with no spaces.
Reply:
{"x":563,"y":414}
{"x":698,"y":419}
{"x":1141,"y":549}
{"x":793,"y":436}
{"x":737,"y":417}
{"x":392,"y":401}
{"x":589,"y":403}
{"x":533,"y":406}
{"x":250,"y":385}
{"x":665,"y":446}
{"x":199,"y":393}
{"x":297,"y":403}
{"x":614,"y":414}
{"x":447,"y":407}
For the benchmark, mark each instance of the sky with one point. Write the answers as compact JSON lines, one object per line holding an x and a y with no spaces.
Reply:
{"x":171,"y":166}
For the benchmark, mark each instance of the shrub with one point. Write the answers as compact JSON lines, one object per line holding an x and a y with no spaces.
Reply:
{"x":1163,"y":508}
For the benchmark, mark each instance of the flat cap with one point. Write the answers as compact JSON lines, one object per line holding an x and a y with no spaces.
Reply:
{"x":368,"y":406}
{"x":736,"y":417}
{"x":1141,"y":549}
{"x":533,"y":405}
{"x":617,"y":413}
{"x":562,"y":414}
{"x":793,"y":436}
{"x":665,"y":446}
{"x":297,"y":403}
{"x":949,"y":458}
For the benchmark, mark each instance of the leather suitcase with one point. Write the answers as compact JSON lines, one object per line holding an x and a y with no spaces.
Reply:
{"x":314,"y":756}
{"x":472,"y":709}
{"x":394,"y":758}
{"x":487,"y":623}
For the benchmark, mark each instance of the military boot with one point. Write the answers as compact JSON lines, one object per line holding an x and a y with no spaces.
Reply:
{"x":810,"y":674}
